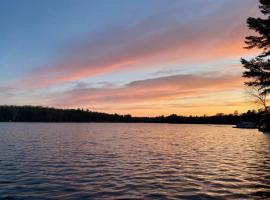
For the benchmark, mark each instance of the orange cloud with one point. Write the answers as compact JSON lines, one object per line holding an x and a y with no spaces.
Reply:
{"x":159,"y":91}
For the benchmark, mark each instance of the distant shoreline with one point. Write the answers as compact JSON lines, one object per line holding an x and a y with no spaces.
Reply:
{"x":39,"y":114}
{"x":29,"y":122}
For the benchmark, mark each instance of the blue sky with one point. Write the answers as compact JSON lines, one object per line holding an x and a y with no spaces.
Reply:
{"x":53,"y":48}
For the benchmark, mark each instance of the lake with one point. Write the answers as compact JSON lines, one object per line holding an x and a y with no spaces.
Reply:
{"x":132,"y":161}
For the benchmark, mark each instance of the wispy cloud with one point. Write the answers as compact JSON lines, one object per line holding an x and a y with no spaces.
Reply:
{"x":146,"y":44}
{"x":177,"y":87}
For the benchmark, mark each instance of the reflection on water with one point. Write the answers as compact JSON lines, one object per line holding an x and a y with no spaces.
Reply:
{"x":132,"y":161}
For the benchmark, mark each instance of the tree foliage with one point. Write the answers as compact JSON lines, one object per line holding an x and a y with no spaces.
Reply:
{"x":258,"y":68}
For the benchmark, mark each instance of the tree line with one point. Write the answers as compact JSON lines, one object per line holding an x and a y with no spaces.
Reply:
{"x":47,"y":114}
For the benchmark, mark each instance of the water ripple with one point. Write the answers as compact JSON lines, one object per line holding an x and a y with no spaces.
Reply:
{"x":132,"y":161}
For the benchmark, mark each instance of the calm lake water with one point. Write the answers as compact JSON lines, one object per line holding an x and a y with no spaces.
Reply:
{"x":132,"y":161}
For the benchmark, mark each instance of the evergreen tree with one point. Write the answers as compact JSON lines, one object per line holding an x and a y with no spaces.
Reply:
{"x":258,"y":68}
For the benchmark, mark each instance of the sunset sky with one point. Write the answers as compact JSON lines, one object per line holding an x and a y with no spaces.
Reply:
{"x":139,"y":57}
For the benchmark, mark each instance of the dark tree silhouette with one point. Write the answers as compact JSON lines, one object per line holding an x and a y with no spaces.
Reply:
{"x":44,"y":114}
{"x":258,"y":68}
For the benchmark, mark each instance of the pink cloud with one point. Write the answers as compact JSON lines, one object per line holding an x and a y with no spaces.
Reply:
{"x":143,"y":45}
{"x":149,"y":90}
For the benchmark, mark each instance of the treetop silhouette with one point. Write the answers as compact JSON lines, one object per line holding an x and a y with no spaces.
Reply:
{"x":258,"y":68}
